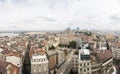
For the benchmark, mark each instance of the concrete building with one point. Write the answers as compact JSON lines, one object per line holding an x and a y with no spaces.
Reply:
{"x":97,"y":62}
{"x":39,"y":62}
{"x":74,"y":63}
{"x":66,"y":37}
{"x":84,"y":62}
{"x":53,"y":41}
{"x":78,"y":43}
{"x":102,"y":45}
{"x":102,"y":62}
{"x":8,"y":68}
{"x":17,"y":61}
{"x":52,"y":57}
{"x":2,"y":57}
{"x":64,"y":40}
{"x":116,"y":54}
{"x":81,"y":63}
{"x":60,"y":57}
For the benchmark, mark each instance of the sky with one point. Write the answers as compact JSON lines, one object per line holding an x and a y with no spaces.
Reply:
{"x":59,"y":14}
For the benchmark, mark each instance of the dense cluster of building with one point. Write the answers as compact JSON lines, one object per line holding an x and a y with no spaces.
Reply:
{"x":51,"y":53}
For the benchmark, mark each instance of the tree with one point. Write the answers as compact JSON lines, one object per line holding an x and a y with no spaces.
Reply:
{"x":72,"y":44}
{"x":52,"y":48}
{"x":63,"y":45}
{"x":60,"y":45}
{"x":88,"y":33}
{"x":76,"y":52}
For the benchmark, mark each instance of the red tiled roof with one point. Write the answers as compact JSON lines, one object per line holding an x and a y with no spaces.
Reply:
{"x":103,"y":55}
{"x":3,"y":66}
{"x":15,"y":69}
{"x":37,"y":51}
{"x":40,"y":51}
{"x":14,"y":54}
{"x":31,"y":52}
{"x":6,"y":51}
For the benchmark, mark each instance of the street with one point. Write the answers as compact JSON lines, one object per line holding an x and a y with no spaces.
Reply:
{"x":66,"y":67}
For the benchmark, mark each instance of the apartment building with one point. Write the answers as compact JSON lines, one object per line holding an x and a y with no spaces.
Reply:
{"x":60,"y":57}
{"x":39,"y":62}
{"x":52,"y":57}
{"x":8,"y":68}
{"x":84,"y":62}
{"x":116,"y":54}
{"x":97,"y":62}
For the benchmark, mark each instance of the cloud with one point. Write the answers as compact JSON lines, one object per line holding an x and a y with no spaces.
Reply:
{"x":59,"y":14}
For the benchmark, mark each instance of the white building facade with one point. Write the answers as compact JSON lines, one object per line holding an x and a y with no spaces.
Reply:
{"x":39,"y":64}
{"x":81,"y":63}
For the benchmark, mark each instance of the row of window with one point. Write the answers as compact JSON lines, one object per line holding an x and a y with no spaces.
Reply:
{"x":75,"y":64}
{"x":44,"y":65}
{"x":74,"y":68}
{"x":85,"y":64}
{"x":39,"y":71}
{"x":39,"y":60}
{"x":84,"y":69}
{"x":83,"y":73}
{"x":74,"y":61}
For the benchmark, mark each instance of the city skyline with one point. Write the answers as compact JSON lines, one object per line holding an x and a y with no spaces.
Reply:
{"x":58,"y":15}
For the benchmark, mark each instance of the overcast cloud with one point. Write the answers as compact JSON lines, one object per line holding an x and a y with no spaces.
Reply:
{"x":59,"y":14}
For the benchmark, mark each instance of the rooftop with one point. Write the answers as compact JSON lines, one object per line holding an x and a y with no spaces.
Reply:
{"x":84,"y":51}
{"x":103,"y":55}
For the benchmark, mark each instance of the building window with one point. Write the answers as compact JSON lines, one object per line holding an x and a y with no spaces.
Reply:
{"x":87,"y":73}
{"x":88,"y":64}
{"x":80,"y":64}
{"x":88,"y":69}
{"x":84,"y":70}
{"x":80,"y":69}
{"x":40,"y":65}
{"x":84,"y":64}
{"x":72,"y":67}
{"x":32,"y":60}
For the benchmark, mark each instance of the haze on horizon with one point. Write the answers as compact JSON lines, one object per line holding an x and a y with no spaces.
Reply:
{"x":59,"y":14}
